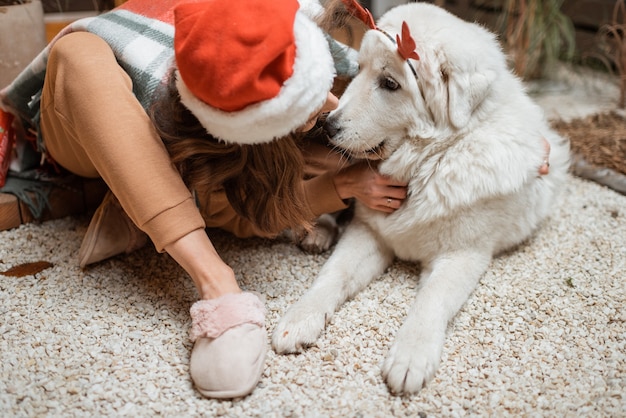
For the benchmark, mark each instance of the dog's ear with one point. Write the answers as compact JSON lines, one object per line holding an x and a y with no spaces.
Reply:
{"x":465,"y":93}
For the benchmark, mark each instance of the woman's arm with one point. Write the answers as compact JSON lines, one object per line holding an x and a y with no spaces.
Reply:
{"x":197,"y":255}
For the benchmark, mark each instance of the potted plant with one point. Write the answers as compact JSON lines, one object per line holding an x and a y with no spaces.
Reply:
{"x":611,"y":47}
{"x":536,"y":35}
{"x":22,"y":36}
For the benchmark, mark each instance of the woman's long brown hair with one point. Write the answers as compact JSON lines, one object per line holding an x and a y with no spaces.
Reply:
{"x":263,"y":182}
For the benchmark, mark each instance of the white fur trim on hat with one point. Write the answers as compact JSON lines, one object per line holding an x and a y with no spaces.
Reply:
{"x":304,"y":93}
{"x":311,"y":8}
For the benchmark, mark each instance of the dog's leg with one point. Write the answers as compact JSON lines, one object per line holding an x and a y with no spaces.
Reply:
{"x":444,"y":287}
{"x":322,"y":236}
{"x":358,"y":258}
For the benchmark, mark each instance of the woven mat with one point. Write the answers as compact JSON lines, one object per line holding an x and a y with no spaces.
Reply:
{"x":599,"y":147}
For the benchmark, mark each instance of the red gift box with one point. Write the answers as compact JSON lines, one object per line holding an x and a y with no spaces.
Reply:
{"x":7,"y":142}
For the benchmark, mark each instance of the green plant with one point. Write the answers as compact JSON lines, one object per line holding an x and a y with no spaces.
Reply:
{"x":536,"y":35}
{"x":612,"y":46}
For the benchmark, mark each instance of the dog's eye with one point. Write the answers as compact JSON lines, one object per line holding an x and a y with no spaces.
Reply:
{"x":389,"y":83}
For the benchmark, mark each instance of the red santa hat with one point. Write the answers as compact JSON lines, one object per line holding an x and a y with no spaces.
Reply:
{"x":250,"y":70}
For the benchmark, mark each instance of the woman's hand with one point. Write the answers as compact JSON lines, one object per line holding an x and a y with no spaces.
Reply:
{"x":545,"y":165}
{"x":363,"y":182}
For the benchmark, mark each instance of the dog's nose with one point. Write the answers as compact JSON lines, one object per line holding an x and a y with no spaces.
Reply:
{"x":330,"y":127}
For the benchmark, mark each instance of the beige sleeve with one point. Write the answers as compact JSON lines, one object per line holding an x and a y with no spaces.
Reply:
{"x":322,"y":196}
{"x":218,"y":213}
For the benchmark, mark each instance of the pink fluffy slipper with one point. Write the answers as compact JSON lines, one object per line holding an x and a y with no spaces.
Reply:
{"x":230,"y":345}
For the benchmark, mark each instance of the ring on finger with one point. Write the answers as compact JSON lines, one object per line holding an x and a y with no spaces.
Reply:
{"x":388,"y":201}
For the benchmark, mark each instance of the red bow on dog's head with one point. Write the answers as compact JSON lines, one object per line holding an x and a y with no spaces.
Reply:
{"x":406,"y":43}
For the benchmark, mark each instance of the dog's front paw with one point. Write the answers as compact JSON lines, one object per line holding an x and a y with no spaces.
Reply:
{"x":322,"y":236}
{"x":410,"y":364}
{"x":298,"y":328}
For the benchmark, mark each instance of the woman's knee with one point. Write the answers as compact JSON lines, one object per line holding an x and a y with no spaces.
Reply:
{"x":78,"y":52}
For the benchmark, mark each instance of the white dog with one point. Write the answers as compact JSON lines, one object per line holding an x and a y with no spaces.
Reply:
{"x":469,"y":142}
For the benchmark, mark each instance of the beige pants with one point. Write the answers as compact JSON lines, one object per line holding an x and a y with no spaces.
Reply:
{"x":93,"y":125}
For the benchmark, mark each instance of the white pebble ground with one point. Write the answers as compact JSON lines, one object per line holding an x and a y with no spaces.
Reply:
{"x":543,"y":335}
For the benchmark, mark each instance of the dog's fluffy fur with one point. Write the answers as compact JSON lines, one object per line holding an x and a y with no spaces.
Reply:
{"x":468,"y":140}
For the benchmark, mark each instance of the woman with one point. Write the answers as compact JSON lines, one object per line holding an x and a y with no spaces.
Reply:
{"x":190,"y":112}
